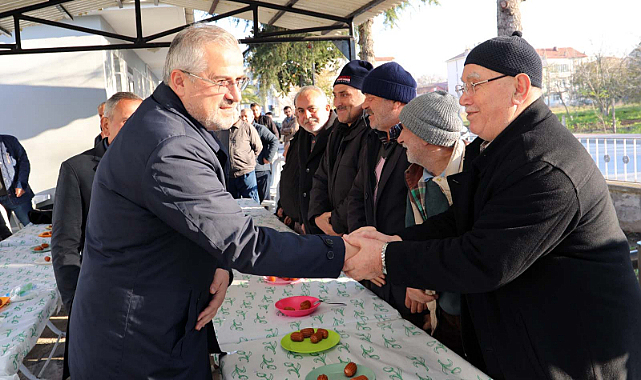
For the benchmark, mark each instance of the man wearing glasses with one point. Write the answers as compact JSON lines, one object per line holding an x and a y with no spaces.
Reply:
{"x":531,"y":241}
{"x":162,"y":231}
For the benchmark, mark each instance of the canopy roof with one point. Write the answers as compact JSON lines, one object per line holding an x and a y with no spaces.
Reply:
{"x":319,"y":19}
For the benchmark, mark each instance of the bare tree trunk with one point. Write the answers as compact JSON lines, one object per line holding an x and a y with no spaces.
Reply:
{"x":366,"y":42}
{"x":508,"y":16}
{"x":614,"y":118}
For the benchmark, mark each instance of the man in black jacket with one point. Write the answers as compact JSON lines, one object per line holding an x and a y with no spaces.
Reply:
{"x":71,"y":204}
{"x":339,"y":165}
{"x":266,"y":155}
{"x":531,"y":241}
{"x":378,"y":196}
{"x":316,"y":120}
{"x":264,"y":119}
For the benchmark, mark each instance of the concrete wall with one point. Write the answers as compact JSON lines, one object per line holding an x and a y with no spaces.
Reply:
{"x":627,"y":202}
{"x":48,"y":101}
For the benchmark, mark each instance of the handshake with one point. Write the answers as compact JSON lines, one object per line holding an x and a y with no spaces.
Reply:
{"x":363,"y":259}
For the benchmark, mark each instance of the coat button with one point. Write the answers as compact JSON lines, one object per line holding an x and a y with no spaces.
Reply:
{"x":307,"y":170}
{"x":366,"y":196}
{"x":304,"y":195}
{"x":329,"y":241}
{"x":330,"y":255}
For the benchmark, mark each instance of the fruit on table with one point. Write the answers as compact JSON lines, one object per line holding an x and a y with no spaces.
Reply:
{"x":322,"y":377}
{"x":324,"y":332}
{"x":288,"y":308}
{"x":307,"y":332}
{"x":305,"y":305}
{"x":361,"y":377}
{"x":47,"y":258}
{"x":297,"y":336}
{"x":316,"y":337}
{"x":350,"y":369}
{"x":44,"y":245}
{"x":38,"y":248}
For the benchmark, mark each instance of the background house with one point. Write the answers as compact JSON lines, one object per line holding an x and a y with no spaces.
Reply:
{"x":559,"y":64}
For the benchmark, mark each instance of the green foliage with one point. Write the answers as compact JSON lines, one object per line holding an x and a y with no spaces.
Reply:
{"x":250,"y":95}
{"x":585,"y":120}
{"x":285,"y":65}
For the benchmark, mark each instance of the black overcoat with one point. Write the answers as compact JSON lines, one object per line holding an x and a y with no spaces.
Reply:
{"x":533,"y":243}
{"x":336,"y":173}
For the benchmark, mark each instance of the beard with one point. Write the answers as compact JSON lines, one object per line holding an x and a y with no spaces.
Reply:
{"x":213,"y":119}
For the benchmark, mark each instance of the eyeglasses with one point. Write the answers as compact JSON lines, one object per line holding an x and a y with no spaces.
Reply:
{"x":225,"y":84}
{"x":465,"y":88}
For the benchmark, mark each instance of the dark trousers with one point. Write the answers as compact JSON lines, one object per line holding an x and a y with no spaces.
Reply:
{"x":244,"y":186}
{"x":264,"y":181}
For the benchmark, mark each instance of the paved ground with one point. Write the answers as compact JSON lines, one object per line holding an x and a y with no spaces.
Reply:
{"x":38,"y":356}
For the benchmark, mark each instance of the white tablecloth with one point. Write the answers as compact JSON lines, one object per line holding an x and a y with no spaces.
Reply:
{"x":21,"y":323}
{"x":372,"y":332}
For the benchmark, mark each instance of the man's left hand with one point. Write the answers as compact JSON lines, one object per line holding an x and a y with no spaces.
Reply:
{"x":265,"y":161}
{"x":19,"y":192}
{"x":218,"y":289}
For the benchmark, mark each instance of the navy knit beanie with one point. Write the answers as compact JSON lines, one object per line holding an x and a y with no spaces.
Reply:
{"x":390,"y":81}
{"x":354,"y":73}
{"x":511,"y":55}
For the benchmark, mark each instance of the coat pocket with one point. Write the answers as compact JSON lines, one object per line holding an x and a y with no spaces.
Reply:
{"x":190,"y":324}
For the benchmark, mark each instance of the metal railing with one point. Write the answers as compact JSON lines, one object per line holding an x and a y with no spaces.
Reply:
{"x":617,"y":156}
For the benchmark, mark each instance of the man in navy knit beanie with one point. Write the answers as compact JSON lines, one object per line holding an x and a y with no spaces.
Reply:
{"x":378,"y":197}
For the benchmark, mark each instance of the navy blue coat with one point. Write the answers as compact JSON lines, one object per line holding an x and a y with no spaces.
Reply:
{"x":159,"y":225}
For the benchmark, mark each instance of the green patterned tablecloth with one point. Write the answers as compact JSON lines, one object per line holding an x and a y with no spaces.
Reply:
{"x":21,"y":323}
{"x":372,"y":333}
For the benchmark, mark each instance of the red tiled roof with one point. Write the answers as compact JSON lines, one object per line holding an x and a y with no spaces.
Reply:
{"x":564,"y":52}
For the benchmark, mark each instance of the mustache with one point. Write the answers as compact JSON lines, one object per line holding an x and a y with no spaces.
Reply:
{"x":312,"y":120}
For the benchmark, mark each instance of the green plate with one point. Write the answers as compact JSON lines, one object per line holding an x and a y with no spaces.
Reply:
{"x":307,"y":347}
{"x":335,"y":372}
{"x":48,"y":249}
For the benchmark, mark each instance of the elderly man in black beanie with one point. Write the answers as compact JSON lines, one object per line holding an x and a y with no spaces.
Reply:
{"x":334,"y":177}
{"x":532,"y":240}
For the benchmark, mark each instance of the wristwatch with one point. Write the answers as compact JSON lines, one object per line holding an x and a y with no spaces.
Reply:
{"x":383,"y":257}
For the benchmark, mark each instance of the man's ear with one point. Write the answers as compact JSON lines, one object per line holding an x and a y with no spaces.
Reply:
{"x":522,"y":90}
{"x":104,"y":124}
{"x":177,"y":82}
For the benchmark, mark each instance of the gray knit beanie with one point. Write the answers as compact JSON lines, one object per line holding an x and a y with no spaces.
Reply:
{"x":434,"y":117}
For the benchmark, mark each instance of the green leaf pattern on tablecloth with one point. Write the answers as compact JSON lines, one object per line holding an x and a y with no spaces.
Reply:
{"x":21,"y":323}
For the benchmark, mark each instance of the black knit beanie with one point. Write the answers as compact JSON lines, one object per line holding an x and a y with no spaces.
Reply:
{"x":354,"y":73}
{"x":511,"y":55}
{"x":390,"y":81}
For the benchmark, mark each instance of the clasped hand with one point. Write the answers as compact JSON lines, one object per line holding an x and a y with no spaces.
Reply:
{"x":363,"y":254}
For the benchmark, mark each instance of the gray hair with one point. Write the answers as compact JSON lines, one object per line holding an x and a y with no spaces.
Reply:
{"x":187,"y":50}
{"x":307,"y":89}
{"x":112,"y":103}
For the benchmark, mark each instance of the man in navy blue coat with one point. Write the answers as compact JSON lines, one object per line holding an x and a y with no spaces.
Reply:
{"x":162,"y":227}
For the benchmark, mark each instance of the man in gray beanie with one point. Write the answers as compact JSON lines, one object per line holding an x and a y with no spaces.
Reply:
{"x":532,"y":240}
{"x":433,"y":136}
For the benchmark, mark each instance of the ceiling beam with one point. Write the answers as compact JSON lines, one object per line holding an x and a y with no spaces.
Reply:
{"x":210,"y":19}
{"x":64,"y":11}
{"x":303,"y":31}
{"x":3,"y":30}
{"x":293,"y":10}
{"x":33,"y":7}
{"x":214,"y":5}
{"x":290,"y":39}
{"x":290,"y":4}
{"x":76,"y":28}
{"x":365,"y":8}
